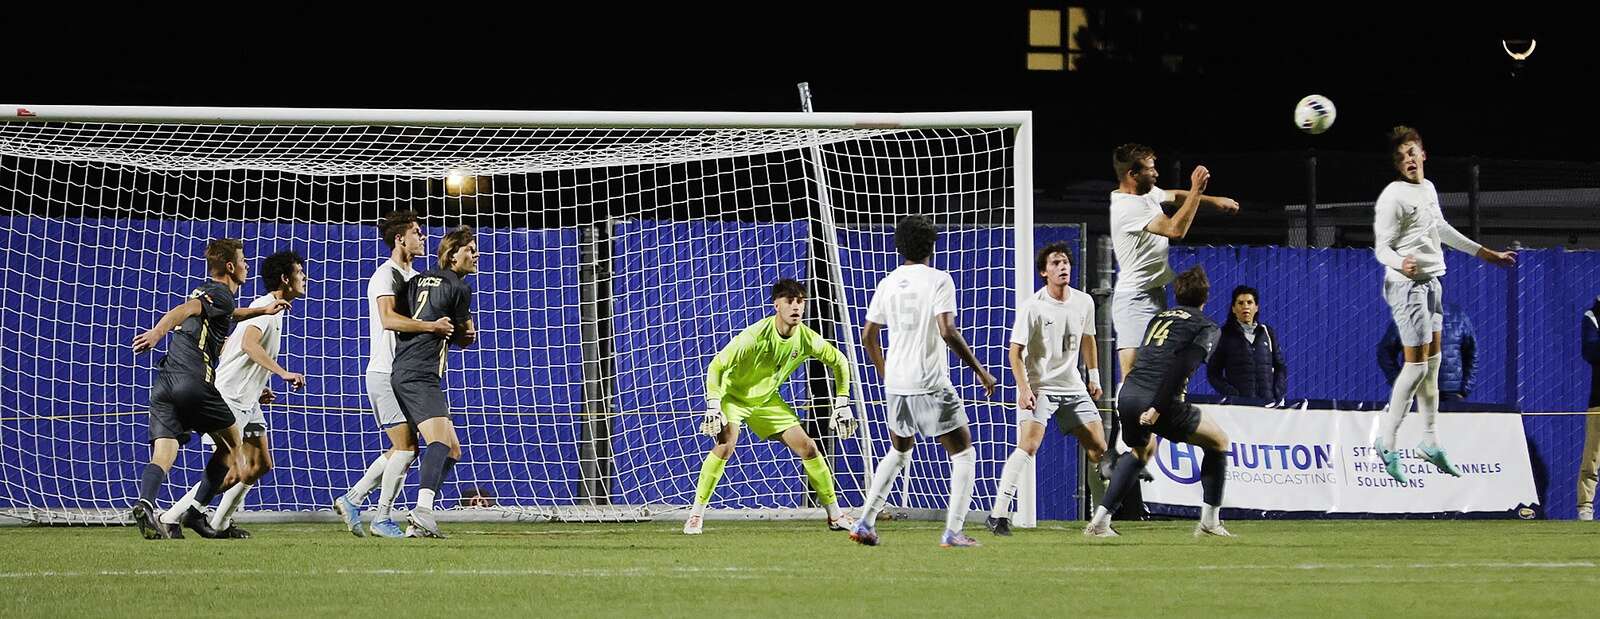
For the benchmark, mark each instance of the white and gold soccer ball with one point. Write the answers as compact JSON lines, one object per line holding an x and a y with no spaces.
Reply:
{"x":1314,"y":114}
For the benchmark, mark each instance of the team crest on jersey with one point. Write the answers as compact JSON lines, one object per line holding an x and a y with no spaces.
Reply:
{"x":201,"y":292}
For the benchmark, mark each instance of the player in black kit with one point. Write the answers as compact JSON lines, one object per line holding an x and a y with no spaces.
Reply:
{"x":419,"y":364}
{"x":1152,"y":402}
{"x":184,"y":398}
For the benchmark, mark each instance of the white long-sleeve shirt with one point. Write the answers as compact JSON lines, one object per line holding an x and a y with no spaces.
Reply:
{"x":1407,"y":222}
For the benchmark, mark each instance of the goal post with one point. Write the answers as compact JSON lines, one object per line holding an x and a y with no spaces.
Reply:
{"x":621,"y":250}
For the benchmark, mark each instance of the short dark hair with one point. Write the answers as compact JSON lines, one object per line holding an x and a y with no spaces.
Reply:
{"x":395,"y":224}
{"x":914,"y":237}
{"x":220,"y":252}
{"x":1192,"y":287}
{"x":454,"y":240}
{"x":1399,"y":135}
{"x":1243,"y":289}
{"x":1043,"y":260}
{"x":788,"y":289}
{"x":278,"y":268}
{"x":1129,"y":158}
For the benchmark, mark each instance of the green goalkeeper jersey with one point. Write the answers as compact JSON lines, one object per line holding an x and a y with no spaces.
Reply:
{"x":758,"y":360}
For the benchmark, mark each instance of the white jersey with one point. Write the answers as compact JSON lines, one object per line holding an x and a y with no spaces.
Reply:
{"x":1407,"y":222}
{"x":909,"y":302}
{"x":1141,"y":254}
{"x":389,"y":277}
{"x":240,"y":379}
{"x":1051,"y":333}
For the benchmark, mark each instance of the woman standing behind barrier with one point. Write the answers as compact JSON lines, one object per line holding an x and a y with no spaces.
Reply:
{"x":1249,"y":360}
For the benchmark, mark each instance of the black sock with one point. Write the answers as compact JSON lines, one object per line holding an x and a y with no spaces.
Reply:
{"x":150,"y":482}
{"x":434,"y":461}
{"x":216,"y":473}
{"x":1213,"y":468}
{"x":449,"y":466}
{"x":1122,"y":480}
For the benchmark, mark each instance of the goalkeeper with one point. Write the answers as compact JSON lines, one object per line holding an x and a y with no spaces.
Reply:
{"x":742,"y":389}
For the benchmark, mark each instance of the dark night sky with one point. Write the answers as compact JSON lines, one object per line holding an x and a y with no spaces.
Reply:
{"x":1440,"y":68}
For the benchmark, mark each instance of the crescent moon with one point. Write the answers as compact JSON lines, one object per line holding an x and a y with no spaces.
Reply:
{"x":1519,"y":56}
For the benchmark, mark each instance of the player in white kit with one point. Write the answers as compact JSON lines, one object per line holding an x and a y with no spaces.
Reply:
{"x":402,"y":232}
{"x":1408,"y":234}
{"x":918,"y":304}
{"x":1054,"y":331}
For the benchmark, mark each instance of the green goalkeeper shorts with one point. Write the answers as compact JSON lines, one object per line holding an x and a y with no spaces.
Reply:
{"x":767,"y":419}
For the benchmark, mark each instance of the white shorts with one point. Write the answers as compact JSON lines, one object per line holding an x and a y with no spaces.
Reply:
{"x":1070,"y":411}
{"x":1417,"y":309}
{"x":381,"y":392}
{"x":251,"y":423}
{"x":929,"y":414}
{"x":1131,"y":313}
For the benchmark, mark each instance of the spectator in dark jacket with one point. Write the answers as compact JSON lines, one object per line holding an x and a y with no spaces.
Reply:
{"x":1249,"y":358}
{"x":1587,"y":476}
{"x":1458,"y":346}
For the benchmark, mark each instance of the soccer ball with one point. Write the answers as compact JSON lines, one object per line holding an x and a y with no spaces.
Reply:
{"x":1314,"y":114}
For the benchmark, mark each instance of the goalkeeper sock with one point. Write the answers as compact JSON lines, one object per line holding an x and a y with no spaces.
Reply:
{"x":821,"y":481}
{"x":711,"y":473}
{"x":1015,"y":464}
{"x":358,"y":492}
{"x":882,"y":480}
{"x":963,"y":471}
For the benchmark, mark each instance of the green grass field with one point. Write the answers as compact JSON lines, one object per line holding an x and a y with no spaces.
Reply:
{"x":1362,"y":568}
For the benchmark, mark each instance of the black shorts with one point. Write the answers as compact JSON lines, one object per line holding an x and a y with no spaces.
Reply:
{"x":183,"y":404}
{"x":1176,"y":423}
{"x":420,"y":397}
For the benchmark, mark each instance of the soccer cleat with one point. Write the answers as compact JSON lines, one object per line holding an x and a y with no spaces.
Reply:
{"x":998,"y":526}
{"x":1436,"y":456}
{"x":1216,"y":530}
{"x":694,"y":525}
{"x":426,"y":526}
{"x":351,"y":515}
{"x":1585,"y":513}
{"x":1391,"y":462}
{"x":864,"y":534}
{"x":957,"y":539}
{"x":196,"y":521}
{"x":150,"y":526}
{"x":1105,"y":530}
{"x":172,"y":530}
{"x":233,"y":532}
{"x":387,"y":528}
{"x":844,"y":522}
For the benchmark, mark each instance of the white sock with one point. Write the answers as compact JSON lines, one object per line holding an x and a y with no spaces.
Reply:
{"x":172,"y":514}
{"x":1209,"y":516}
{"x":358,"y":492}
{"x":1017,"y":462}
{"x":963,"y":471}
{"x":833,"y":510}
{"x":425,"y":499}
{"x":1428,"y":402}
{"x":394,"y":474}
{"x":699,"y":509}
{"x":1102,"y":516}
{"x":882,"y":480}
{"x":231,"y":501}
{"x":1405,"y":385}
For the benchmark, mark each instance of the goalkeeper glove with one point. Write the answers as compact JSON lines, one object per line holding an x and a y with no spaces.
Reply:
{"x":711,"y":424}
{"x":844,"y":420}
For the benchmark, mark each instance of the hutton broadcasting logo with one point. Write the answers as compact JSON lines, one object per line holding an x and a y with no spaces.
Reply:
{"x":1263,"y":463}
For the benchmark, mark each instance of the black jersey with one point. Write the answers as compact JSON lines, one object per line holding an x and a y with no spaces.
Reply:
{"x":440,"y":293}
{"x":197,"y":341}
{"x":1175,"y":342}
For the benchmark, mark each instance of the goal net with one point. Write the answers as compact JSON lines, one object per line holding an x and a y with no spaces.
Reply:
{"x":620,"y":252}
